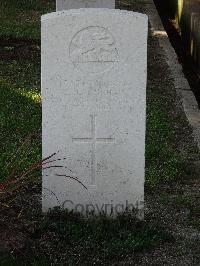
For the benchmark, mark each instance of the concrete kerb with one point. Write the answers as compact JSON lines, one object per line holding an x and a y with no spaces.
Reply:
{"x":189,"y":103}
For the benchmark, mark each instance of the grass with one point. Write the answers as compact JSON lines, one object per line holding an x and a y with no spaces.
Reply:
{"x":99,"y":239}
{"x":19,"y":117}
{"x":74,"y":239}
{"x":188,"y":204}
{"x":7,"y":261}
{"x":163,"y":162}
{"x":21,"y":18}
{"x":20,"y":109}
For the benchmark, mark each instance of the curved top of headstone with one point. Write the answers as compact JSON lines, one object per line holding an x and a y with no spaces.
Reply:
{"x":70,"y":12}
{"x":76,"y":4}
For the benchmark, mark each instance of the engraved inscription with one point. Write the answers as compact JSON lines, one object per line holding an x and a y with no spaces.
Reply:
{"x":93,"y":49}
{"x":94,"y":93}
{"x":93,"y":140}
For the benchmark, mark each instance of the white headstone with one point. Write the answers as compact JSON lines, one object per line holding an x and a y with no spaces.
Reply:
{"x":74,"y":4}
{"x":94,"y":71}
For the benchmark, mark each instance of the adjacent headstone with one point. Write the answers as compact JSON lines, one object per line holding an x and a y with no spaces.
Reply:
{"x":74,"y":4}
{"x":94,"y":71}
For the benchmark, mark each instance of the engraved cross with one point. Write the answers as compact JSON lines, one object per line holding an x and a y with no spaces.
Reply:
{"x":93,"y":140}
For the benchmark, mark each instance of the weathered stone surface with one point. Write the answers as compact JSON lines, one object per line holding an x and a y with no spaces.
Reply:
{"x":74,"y":4}
{"x":94,"y":71}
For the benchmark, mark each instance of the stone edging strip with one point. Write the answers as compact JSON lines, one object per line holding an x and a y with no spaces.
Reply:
{"x":182,"y":86}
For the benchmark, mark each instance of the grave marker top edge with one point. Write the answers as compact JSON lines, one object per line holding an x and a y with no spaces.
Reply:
{"x":91,"y":11}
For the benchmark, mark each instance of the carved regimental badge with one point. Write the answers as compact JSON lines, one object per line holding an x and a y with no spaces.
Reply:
{"x":93,"y":49}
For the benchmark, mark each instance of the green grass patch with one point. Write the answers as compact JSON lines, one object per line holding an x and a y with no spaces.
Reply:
{"x":8,"y":261}
{"x":74,"y":240}
{"x":21,"y":18}
{"x":163,"y":162}
{"x":20,"y":121}
{"x":179,"y":201}
{"x":20,"y":109}
{"x":101,"y":238}
{"x":25,"y":73}
{"x":188,"y":204}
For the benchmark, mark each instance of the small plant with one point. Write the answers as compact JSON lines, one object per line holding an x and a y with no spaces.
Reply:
{"x":19,"y":177}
